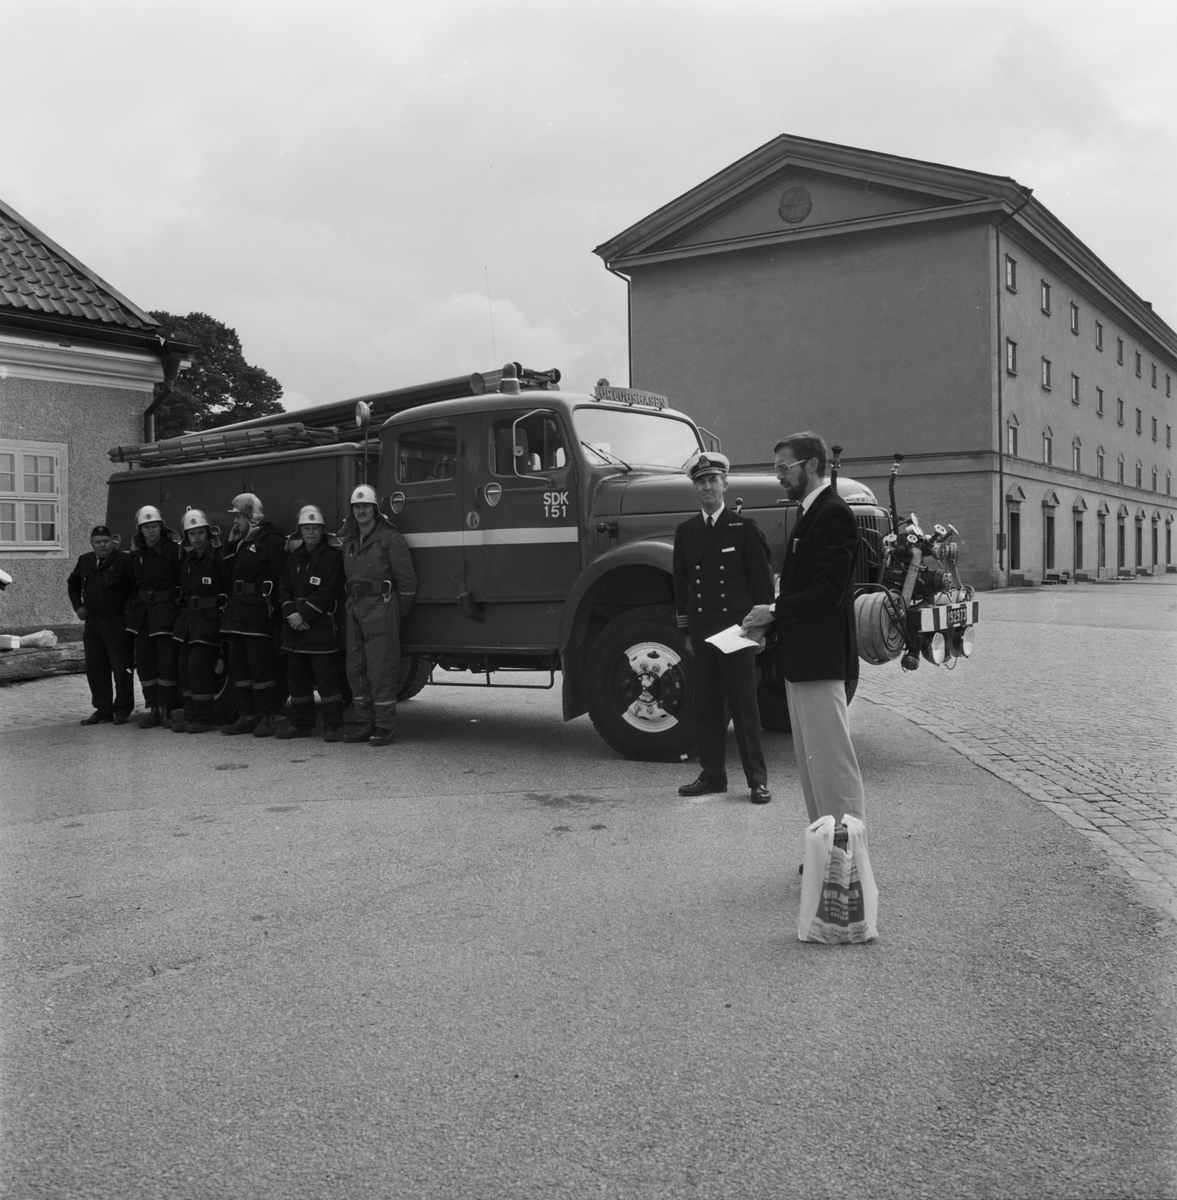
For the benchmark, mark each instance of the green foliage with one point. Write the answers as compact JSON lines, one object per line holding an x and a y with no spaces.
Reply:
{"x":220,"y":387}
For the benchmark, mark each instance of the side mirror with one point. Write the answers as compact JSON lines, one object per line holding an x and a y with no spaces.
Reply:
{"x":363,"y":415}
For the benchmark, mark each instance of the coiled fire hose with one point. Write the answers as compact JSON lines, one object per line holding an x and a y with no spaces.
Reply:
{"x":881,"y":620}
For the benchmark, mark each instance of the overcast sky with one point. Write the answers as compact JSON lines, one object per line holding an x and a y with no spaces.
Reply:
{"x":340,"y":182}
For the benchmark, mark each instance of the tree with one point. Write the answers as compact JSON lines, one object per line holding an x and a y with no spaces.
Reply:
{"x":220,"y":387}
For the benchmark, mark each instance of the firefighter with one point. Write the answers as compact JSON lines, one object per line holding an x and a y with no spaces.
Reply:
{"x":152,"y":611}
{"x":197,"y":631}
{"x":99,"y":588}
{"x":310,"y":593}
{"x":381,"y":584}
{"x":255,"y":557}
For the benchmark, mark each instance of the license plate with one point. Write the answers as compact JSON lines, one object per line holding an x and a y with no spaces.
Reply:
{"x":958,"y":614}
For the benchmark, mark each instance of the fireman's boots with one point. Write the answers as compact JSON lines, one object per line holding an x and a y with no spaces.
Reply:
{"x":247,"y":714}
{"x":302,"y":718}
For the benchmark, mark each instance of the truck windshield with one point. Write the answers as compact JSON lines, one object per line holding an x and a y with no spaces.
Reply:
{"x":636,"y":438}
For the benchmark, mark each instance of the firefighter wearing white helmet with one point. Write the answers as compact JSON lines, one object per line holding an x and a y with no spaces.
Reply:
{"x":381,"y":585}
{"x":152,"y":611}
{"x":311,"y":594}
{"x":256,"y":555}
{"x":197,"y":632}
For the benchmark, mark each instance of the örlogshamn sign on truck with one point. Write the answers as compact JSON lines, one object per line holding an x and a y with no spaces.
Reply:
{"x":541,"y":525}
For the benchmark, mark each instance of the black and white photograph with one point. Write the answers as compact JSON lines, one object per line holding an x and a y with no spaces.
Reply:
{"x":587,"y":600}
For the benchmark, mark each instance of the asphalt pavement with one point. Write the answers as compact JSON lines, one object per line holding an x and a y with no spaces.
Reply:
{"x":495,"y":960}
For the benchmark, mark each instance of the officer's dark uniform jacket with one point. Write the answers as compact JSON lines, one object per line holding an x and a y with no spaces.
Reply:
{"x":312,"y":586}
{"x":815,"y":608}
{"x":155,"y":572}
{"x":204,"y":583}
{"x":255,"y":567}
{"x":102,"y":586}
{"x":719,"y":573}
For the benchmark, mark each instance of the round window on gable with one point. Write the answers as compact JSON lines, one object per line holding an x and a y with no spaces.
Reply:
{"x":796,"y":205}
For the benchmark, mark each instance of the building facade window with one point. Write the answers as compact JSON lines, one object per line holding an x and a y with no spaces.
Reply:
{"x":1154,"y":479}
{"x":1101,"y":541}
{"x":1154,"y":542}
{"x":1011,"y":273}
{"x":1048,"y":539}
{"x":1099,"y":335}
{"x":1015,"y":540}
{"x":1139,"y":542}
{"x":1078,"y":542}
{"x":1121,"y":540}
{"x":1099,"y":402}
{"x":1168,"y":483}
{"x":1048,"y":447}
{"x":1154,"y":374}
{"x":1139,"y":421}
{"x":1138,"y":364}
{"x":1139,"y":474}
{"x":1168,"y":386}
{"x":1074,"y":389}
{"x":1120,"y":469}
{"x":1076,"y":457}
{"x":1169,"y":436}
{"x":1099,"y":462}
{"x":1119,"y":411}
{"x":31,"y":495}
{"x":1011,"y":356}
{"x":1046,"y":374}
{"x":1120,"y":351}
{"x":1046,"y":297}
{"x":1011,"y":439}
{"x":1154,"y":429}
{"x":1074,"y":317}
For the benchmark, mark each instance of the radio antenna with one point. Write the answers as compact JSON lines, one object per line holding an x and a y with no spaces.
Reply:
{"x":494,"y":354}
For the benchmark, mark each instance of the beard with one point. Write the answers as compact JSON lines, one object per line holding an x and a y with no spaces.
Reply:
{"x":796,"y":491}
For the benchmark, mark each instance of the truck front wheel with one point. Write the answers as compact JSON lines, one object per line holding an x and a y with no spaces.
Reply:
{"x":641,"y":686}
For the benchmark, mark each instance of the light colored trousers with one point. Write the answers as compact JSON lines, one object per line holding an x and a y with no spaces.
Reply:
{"x":826,"y":762}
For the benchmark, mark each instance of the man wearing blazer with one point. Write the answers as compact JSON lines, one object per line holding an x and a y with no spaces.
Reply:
{"x":721,"y":569}
{"x":814,"y":615}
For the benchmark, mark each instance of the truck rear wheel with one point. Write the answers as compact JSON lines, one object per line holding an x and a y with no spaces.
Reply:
{"x":641,"y":686}
{"x":415,"y":672}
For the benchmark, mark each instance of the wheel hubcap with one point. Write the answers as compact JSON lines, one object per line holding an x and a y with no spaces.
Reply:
{"x":650,"y":687}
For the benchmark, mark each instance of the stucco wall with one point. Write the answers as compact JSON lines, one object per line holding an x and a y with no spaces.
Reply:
{"x":881,"y":343}
{"x":89,"y":420}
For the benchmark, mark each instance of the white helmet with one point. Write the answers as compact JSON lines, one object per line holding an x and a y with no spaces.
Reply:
{"x":364,"y":494}
{"x":147,"y":514}
{"x":193,"y":519}
{"x":249,"y":506}
{"x":310,"y":515}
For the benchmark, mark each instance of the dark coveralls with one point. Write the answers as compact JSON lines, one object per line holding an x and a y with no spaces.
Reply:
{"x":151,"y":614}
{"x":250,"y":622}
{"x":312,"y":586}
{"x":103,"y":587}
{"x":381,"y":584}
{"x":203,"y":584}
{"x":719,"y":574}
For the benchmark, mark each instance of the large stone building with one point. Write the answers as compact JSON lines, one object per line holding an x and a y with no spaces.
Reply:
{"x":898,"y":305}
{"x":78,"y":368}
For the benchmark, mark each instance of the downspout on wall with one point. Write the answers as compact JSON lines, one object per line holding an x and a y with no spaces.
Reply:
{"x":173,"y":364}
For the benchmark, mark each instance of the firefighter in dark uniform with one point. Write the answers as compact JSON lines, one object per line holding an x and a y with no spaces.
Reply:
{"x":311,"y":593}
{"x":197,"y":632}
{"x":721,"y":569}
{"x":256,"y":555}
{"x":99,"y":588}
{"x":152,"y":611}
{"x":381,"y":584}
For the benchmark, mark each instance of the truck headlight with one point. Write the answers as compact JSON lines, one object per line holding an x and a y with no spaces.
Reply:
{"x":962,"y":642}
{"x":933,"y":648}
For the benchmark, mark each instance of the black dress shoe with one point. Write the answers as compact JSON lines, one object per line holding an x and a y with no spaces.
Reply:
{"x":96,"y":718}
{"x":703,"y":786}
{"x":761,"y":794}
{"x":119,"y":719}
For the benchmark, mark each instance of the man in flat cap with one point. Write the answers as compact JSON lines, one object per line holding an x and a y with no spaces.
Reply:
{"x":721,"y":569}
{"x":99,"y":588}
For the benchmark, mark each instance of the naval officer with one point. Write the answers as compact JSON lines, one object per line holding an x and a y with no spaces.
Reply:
{"x":721,"y":570}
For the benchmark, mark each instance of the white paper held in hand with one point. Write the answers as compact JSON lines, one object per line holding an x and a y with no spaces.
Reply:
{"x":730,"y":640}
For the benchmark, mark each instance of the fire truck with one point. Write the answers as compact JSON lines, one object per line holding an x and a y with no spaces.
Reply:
{"x":541,"y":524}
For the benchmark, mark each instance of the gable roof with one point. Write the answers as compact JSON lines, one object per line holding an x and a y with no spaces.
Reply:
{"x":40,"y":282}
{"x":796,"y":189}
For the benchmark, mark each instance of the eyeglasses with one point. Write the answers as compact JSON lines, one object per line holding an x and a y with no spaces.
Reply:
{"x":781,"y":467}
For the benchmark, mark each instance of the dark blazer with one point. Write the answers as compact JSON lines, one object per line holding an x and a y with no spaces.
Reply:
{"x":103,"y":588}
{"x":312,"y":586}
{"x":815,"y":608}
{"x":720,"y":573}
{"x":204,"y":583}
{"x":155,"y":570}
{"x":255,"y":567}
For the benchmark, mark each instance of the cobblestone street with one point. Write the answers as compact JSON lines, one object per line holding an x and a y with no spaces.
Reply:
{"x":1070,"y":698}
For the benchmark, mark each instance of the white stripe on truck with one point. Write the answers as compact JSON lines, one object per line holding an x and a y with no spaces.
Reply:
{"x":493,"y":537}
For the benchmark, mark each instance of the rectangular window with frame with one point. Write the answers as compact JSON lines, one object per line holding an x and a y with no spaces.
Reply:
{"x":1120,"y":351}
{"x":1168,"y":386}
{"x":1077,"y":459}
{"x":1169,"y":437}
{"x":1045,"y":294}
{"x":1120,"y":470}
{"x":1074,"y":317}
{"x":1154,"y":429}
{"x":1119,"y":411}
{"x":1139,"y":364}
{"x":1011,"y":273}
{"x":1099,"y":335}
{"x":1011,"y":356}
{"x":1139,"y":421}
{"x":31,"y":495}
{"x":1154,"y":374}
{"x":1046,"y":374}
{"x":1074,"y":389}
{"x":1011,"y":440}
{"x":1139,"y":474}
{"x":427,"y":455}
{"x":1047,"y":449}
{"x":1099,"y":463}
{"x":1099,"y":402}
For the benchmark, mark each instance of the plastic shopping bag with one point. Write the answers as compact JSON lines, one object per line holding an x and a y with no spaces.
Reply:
{"x":43,"y":640}
{"x":839,"y":899}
